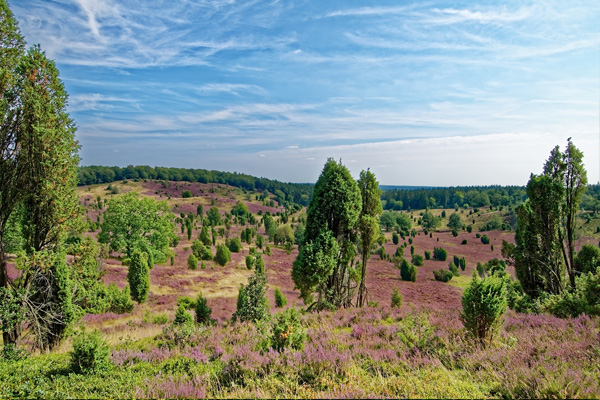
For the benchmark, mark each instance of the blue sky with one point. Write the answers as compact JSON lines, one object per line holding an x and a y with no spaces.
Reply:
{"x":439,"y":93}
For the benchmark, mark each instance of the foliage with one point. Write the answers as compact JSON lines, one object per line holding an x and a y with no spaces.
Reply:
{"x":417,"y":260}
{"x":213,"y":216}
{"x":455,"y":222}
{"x":192,"y":261}
{"x":131,"y":222}
{"x":287,"y":330}
{"x":250,"y":261}
{"x":429,"y":221}
{"x":484,"y":303}
{"x":442,"y":275}
{"x":408,"y":272}
{"x":203,"y":311}
{"x":252,"y":305}
{"x":90,"y":353}
{"x":453,"y":269}
{"x":396,"y":298}
{"x":235,"y":245}
{"x":223,"y":255}
{"x":202,"y":251}
{"x":182,"y":317}
{"x":587,"y":259}
{"x":323,"y":260}
{"x":280,"y":300}
{"x":584,"y":299}
{"x":485,"y":239}
{"x":138,"y":276}
{"x":427,"y":255}
{"x":440,"y":254}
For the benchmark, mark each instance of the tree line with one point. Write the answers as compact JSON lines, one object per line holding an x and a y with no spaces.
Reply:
{"x":297,"y":193}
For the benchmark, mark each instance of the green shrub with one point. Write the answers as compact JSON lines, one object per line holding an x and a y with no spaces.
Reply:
{"x":138,"y":276}
{"x":585,"y":299}
{"x":201,"y":251}
{"x":186,"y":194}
{"x":187,"y":302}
{"x":453,"y":269}
{"x":462,"y":263}
{"x":454,"y":232}
{"x":408,"y":272}
{"x":395,"y":238}
{"x":280,"y":300}
{"x":485,"y":239}
{"x":252,"y":305}
{"x":427,"y":255}
{"x":587,"y":259}
{"x":250,"y":261}
{"x":464,"y":241}
{"x":440,"y":254}
{"x":412,"y":250}
{"x":182,"y":317}
{"x":417,"y":260}
{"x":470,"y":228}
{"x":287,"y":330}
{"x":396,"y":298}
{"x":223,"y":255}
{"x":235,"y":245}
{"x":192,"y":262}
{"x":12,"y":353}
{"x":203,"y":311}
{"x":160,"y":319}
{"x":484,"y":302}
{"x":90,"y":353}
{"x":442,"y":275}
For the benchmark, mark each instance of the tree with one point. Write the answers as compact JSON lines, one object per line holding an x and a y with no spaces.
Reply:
{"x":213,"y":216}
{"x":223,"y":255}
{"x":587,"y":259}
{"x":455,"y":222}
{"x":38,"y":173}
{"x":138,"y":276}
{"x":429,"y":221}
{"x":203,"y":311}
{"x":130,"y":222}
{"x":368,"y":225}
{"x":252,"y":305}
{"x":323,"y":261}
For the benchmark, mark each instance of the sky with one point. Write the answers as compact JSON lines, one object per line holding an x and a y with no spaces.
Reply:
{"x":426,"y":93}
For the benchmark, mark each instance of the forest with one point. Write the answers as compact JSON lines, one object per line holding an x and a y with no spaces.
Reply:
{"x":188,"y":283}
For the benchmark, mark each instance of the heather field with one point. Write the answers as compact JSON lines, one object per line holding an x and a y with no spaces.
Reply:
{"x":420,"y":350}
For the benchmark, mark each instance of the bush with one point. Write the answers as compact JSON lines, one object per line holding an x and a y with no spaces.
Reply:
{"x":288,"y":331}
{"x":396,"y":298}
{"x":440,"y":254}
{"x":138,"y":276}
{"x":252,"y":305}
{"x":408,"y":272}
{"x":453,"y":269}
{"x":201,"y":251}
{"x":442,"y":275}
{"x":395,"y":238}
{"x":223,"y":255}
{"x":484,"y":302}
{"x":182,"y":317}
{"x":235,"y":245}
{"x":192,"y":262}
{"x":187,"y":302}
{"x":160,"y":319}
{"x":186,"y":194}
{"x":585,"y":299}
{"x":427,"y":255}
{"x":90,"y":353}
{"x":485,"y":239}
{"x":454,"y":232}
{"x":12,"y":353}
{"x":417,"y":260}
{"x":250,"y":261}
{"x":464,"y":241}
{"x":587,"y":259}
{"x":203,"y":311}
{"x":280,"y":300}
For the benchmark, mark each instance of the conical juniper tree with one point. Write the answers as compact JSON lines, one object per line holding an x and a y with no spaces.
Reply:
{"x":324,"y":261}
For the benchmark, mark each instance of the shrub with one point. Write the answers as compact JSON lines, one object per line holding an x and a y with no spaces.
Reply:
{"x":462,"y":263}
{"x":192,"y":261}
{"x":280,"y":300}
{"x":182,"y":316}
{"x":453,"y":268}
{"x":12,"y":353}
{"x":464,"y":241}
{"x":160,"y":319}
{"x":186,"y":194}
{"x":90,"y":353}
{"x":440,"y":254}
{"x":470,"y":228}
{"x":484,"y":303}
{"x":187,"y":302}
{"x":235,"y":245}
{"x":395,"y":238}
{"x":442,"y":275}
{"x":252,"y":305}
{"x":396,"y":298}
{"x":259,"y":264}
{"x":203,"y":311}
{"x":223,"y":255}
{"x":417,"y":260}
{"x":454,"y":232}
{"x":584,"y":299}
{"x":250,"y":261}
{"x":138,"y":276}
{"x":288,"y":331}
{"x":485,"y":239}
{"x":412,"y":250}
{"x":427,"y":255}
{"x":408,"y":272}
{"x":587,"y":259}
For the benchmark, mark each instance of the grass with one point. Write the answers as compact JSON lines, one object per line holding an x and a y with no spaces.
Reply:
{"x":461,"y":281}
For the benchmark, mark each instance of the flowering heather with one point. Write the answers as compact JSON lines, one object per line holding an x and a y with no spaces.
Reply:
{"x":174,"y":388}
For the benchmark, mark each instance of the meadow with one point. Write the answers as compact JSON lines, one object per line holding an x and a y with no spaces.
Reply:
{"x":418,"y":350}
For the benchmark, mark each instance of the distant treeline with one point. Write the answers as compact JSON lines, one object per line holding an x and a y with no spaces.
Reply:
{"x":291,"y":192}
{"x":465,"y":196}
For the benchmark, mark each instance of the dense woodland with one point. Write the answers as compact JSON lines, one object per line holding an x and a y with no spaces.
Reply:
{"x":163,"y":282}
